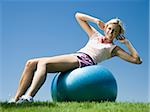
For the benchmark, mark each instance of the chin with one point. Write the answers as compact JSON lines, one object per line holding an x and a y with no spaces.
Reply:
{"x":109,"y":37}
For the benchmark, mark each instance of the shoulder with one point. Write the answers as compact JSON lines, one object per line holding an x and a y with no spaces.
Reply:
{"x":96,"y":34}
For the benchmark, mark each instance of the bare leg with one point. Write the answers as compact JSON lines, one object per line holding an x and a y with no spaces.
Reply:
{"x":26,"y":78}
{"x":52,"y":64}
{"x":38,"y":80}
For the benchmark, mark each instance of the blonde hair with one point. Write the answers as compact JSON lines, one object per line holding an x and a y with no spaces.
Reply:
{"x":117,"y":21}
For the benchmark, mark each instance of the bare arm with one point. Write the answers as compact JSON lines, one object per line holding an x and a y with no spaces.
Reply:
{"x":83,"y":20}
{"x":133,"y":57}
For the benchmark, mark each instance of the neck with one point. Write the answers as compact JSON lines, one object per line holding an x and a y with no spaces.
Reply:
{"x":106,"y":40}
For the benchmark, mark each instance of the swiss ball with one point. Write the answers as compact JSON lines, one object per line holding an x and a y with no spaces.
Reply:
{"x":90,"y":83}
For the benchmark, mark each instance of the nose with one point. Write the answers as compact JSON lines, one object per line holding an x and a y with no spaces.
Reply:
{"x":111,"y":31}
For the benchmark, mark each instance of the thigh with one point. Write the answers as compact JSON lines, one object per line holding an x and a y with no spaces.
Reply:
{"x":61,"y":63}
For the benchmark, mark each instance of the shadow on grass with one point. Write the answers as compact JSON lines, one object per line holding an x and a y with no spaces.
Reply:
{"x":35,"y":104}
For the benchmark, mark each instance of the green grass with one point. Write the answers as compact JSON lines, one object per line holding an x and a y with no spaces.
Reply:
{"x":75,"y":107}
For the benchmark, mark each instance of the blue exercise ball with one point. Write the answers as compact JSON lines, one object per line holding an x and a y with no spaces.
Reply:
{"x":91,"y":83}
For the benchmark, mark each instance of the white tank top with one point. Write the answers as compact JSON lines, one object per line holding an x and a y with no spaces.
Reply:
{"x":98,"y":50}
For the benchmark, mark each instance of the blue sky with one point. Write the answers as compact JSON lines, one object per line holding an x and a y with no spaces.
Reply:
{"x":30,"y":29}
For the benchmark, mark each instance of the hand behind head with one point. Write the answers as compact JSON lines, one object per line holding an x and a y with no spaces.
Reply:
{"x":120,"y":37}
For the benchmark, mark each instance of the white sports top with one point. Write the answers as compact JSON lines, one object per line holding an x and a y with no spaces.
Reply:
{"x":98,"y":50}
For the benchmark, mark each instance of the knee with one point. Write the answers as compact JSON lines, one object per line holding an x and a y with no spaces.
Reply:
{"x":31,"y":64}
{"x":45,"y":65}
{"x":42,"y":63}
{"x":42,"y":66}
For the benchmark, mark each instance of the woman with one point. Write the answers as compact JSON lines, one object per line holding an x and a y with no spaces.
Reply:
{"x":99,"y":48}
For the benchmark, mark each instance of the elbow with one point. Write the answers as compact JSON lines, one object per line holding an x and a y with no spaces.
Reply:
{"x":78,"y":16}
{"x":138,"y":60}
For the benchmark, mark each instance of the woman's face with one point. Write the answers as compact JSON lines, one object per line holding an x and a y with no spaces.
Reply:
{"x":112,"y":31}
